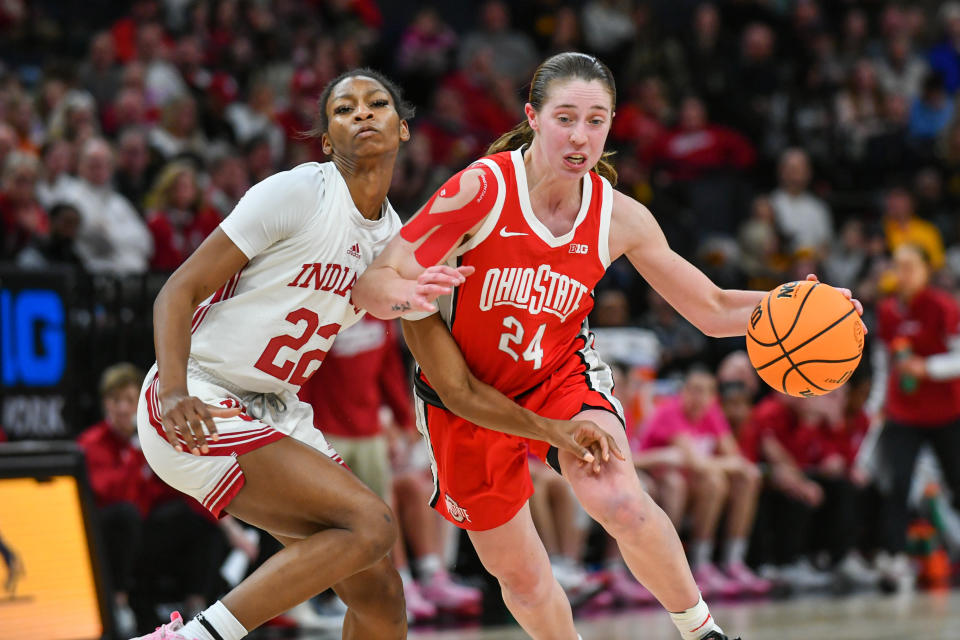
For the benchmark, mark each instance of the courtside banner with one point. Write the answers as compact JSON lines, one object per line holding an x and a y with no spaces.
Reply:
{"x":36,"y":385}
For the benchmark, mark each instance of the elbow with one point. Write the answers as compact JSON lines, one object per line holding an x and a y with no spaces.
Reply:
{"x":712,"y":320}
{"x":455,"y":395}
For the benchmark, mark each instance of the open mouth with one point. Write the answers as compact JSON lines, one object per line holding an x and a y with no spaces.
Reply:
{"x":576,"y":159}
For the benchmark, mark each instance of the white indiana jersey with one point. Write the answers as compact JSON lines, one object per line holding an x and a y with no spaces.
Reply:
{"x":270,"y":326}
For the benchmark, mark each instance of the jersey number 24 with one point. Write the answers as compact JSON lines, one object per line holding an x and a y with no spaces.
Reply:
{"x":514,"y":335}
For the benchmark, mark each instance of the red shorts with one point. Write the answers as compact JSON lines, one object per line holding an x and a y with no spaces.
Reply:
{"x":481,"y":479}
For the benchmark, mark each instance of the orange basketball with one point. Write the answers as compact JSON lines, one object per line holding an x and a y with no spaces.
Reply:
{"x":805,"y":338}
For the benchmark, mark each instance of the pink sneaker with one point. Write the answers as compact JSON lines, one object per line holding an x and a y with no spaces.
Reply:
{"x":626,"y":589}
{"x":712,"y":582}
{"x":418,"y":607}
{"x":447,"y":594}
{"x":749,"y":582}
{"x":169,"y":631}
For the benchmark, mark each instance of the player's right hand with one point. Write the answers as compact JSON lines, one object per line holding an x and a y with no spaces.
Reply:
{"x":189,"y":415}
{"x":584,"y":439}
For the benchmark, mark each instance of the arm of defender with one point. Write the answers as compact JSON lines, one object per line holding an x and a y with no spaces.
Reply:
{"x":408,"y":275}
{"x":444,"y":366}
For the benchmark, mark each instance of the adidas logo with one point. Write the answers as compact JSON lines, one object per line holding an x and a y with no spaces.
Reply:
{"x":354,"y":250}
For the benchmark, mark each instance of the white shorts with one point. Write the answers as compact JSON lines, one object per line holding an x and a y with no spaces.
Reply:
{"x":215,"y":478}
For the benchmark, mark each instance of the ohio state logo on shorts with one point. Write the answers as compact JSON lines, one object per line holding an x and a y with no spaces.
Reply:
{"x":456,"y":512}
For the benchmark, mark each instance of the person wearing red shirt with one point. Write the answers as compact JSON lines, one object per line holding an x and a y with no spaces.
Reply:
{"x":179,"y":220}
{"x":918,"y":325}
{"x":696,"y":147}
{"x":809,"y":445}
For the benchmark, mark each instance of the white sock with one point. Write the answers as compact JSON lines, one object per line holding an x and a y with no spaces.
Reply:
{"x":405,"y":575}
{"x":735,"y":551}
{"x":428,"y":566}
{"x":214,"y":623}
{"x":701,"y":553}
{"x":695,"y":622}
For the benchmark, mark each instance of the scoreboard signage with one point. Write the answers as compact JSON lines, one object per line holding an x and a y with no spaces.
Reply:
{"x":35,"y":380}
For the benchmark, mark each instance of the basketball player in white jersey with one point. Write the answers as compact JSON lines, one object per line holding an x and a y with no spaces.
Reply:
{"x":239,"y":327}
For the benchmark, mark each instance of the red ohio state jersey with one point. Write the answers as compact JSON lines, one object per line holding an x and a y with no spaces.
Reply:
{"x":522,"y":314}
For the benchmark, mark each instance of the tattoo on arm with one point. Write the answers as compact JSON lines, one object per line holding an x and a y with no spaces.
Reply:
{"x":402,"y":306}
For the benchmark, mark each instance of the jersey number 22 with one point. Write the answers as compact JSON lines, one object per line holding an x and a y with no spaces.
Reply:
{"x":296,"y":372}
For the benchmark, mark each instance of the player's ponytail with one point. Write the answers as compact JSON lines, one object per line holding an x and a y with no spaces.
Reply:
{"x":514,"y":139}
{"x":563,"y":66}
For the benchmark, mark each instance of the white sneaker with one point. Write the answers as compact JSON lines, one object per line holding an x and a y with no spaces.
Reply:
{"x":855,"y":569}
{"x":802,"y":576}
{"x":897,"y":573}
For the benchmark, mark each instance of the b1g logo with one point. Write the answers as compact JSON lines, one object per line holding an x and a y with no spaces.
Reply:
{"x":581,"y":249}
{"x":33,"y":341}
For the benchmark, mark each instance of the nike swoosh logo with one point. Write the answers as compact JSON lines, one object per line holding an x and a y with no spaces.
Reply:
{"x":509,"y":234}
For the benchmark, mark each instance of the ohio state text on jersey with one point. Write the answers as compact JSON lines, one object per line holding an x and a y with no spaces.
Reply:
{"x":521,"y":315}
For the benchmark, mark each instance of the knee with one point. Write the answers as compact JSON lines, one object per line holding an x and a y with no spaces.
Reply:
{"x":375,"y":531}
{"x":714,"y":483}
{"x":621,"y":508}
{"x":673,"y":483}
{"x":524,"y":585}
{"x":747,"y":474}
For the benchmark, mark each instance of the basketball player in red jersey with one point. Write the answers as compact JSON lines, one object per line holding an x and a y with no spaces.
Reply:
{"x":540,"y":223}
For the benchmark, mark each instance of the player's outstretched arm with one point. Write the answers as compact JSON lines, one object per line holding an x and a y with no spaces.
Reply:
{"x":444,"y":366}
{"x":717,"y":312}
{"x":205,"y":271}
{"x":409,"y":275}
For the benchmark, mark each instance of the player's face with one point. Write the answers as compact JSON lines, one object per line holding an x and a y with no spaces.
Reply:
{"x":363,"y":120}
{"x":573,"y":123}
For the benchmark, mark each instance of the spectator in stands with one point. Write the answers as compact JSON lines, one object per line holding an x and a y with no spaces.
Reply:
{"x":58,"y":247}
{"x":763,"y":257}
{"x":901,"y":70}
{"x":512,"y":52}
{"x":113,"y":237}
{"x":902,"y":226}
{"x":811,"y":502}
{"x":179,"y":132}
{"x":919,"y":327}
{"x":858,"y":108}
{"x":178,"y":219}
{"x":56,"y":177}
{"x":931,"y":110}
{"x":689,"y":448}
{"x":135,"y":166}
{"x":227,"y":184}
{"x":944,"y":58}
{"x":425,"y":51}
{"x":99,"y":73}
{"x":801,"y":216}
{"x":890,"y":152}
{"x":453,"y":139}
{"x":162,"y":80}
{"x":22,"y":217}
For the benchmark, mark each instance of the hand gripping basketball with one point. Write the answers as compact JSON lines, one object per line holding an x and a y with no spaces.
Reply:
{"x":805,"y":338}
{"x":584,"y":439}
{"x":188,"y":415}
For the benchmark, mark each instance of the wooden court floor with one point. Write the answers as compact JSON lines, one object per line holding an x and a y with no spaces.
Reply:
{"x":912,"y":616}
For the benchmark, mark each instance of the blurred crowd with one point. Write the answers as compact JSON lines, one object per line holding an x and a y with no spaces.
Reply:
{"x":771,"y":139}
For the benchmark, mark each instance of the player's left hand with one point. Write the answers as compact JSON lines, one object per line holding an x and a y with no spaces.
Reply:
{"x":848,"y":295}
